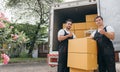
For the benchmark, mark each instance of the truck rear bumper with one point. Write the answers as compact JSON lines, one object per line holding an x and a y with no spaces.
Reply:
{"x":52,"y":59}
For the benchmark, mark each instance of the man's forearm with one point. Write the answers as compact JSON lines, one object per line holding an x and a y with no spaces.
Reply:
{"x":110,"y":35}
{"x":61,"y":38}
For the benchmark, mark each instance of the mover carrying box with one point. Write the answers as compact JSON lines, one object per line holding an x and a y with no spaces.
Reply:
{"x":82,"y":61}
{"x":82,"y":45}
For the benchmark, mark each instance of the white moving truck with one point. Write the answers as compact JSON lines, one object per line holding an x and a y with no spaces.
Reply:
{"x":77,"y":10}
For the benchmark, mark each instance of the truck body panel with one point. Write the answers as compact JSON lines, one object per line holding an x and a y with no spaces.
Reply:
{"x":77,"y":10}
{"x":110,"y":11}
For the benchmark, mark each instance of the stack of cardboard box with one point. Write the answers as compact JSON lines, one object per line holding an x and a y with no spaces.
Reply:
{"x":82,"y":52}
{"x":79,"y":70}
{"x":90,"y":21}
{"x":80,"y":28}
{"x":82,"y":55}
{"x":91,"y":25}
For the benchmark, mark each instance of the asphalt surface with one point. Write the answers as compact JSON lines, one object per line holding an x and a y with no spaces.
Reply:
{"x":33,"y":67}
{"x":26,"y":67}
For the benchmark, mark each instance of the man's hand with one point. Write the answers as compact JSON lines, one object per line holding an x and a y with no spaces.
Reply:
{"x":102,"y":31}
{"x":70,"y":34}
{"x":109,"y":35}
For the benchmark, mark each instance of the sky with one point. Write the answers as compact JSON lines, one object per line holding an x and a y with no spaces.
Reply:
{"x":8,"y":13}
{"x":4,"y":10}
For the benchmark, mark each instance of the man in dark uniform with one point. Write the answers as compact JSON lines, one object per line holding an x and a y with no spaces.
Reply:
{"x":104,"y":36}
{"x":63,"y":36}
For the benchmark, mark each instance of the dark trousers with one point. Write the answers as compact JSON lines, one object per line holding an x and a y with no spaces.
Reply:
{"x":62,"y":62}
{"x":106,"y":63}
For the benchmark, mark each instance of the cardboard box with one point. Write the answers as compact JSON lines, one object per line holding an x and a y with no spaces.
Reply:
{"x":90,"y":17}
{"x":73,"y":26}
{"x":80,"y":33}
{"x":91,"y":25}
{"x":87,"y":34}
{"x":73,"y":31}
{"x":80,"y":25}
{"x":82,"y":45}
{"x":82,"y":61}
{"x":79,"y":70}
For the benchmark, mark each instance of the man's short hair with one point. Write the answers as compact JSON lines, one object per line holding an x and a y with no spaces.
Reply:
{"x":68,"y":20}
{"x":98,"y":17}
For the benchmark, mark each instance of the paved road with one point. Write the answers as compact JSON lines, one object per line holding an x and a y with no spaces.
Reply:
{"x":33,"y":67}
{"x":26,"y":67}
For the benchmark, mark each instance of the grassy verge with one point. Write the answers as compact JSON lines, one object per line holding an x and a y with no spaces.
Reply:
{"x":24,"y":60}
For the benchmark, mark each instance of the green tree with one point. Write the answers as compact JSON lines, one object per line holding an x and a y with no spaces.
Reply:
{"x":9,"y":35}
{"x":29,"y":30}
{"x":40,"y":9}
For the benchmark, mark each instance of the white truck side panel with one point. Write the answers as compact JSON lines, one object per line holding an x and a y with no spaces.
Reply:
{"x":110,"y":11}
{"x":63,"y":6}
{"x":57,"y":15}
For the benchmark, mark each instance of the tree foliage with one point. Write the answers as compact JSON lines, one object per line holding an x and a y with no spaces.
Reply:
{"x":10,"y":38}
{"x":31,"y":10}
{"x":29,"y":30}
{"x":37,"y":11}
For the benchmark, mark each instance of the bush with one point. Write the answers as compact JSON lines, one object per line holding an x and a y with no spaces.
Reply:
{"x":23,"y":54}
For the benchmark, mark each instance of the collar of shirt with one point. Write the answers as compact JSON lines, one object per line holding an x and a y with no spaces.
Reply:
{"x":67,"y":30}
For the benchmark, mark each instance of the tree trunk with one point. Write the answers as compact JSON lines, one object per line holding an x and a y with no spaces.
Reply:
{"x":33,"y":41}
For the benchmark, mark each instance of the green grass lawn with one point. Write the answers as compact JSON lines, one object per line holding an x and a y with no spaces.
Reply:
{"x":24,"y":60}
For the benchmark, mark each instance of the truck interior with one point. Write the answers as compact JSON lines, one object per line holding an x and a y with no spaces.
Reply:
{"x":77,"y":14}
